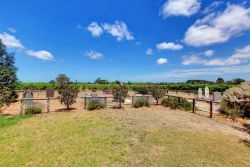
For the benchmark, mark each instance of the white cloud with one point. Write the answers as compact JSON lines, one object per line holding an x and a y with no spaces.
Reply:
{"x":94,"y":55}
{"x":161,"y":61}
{"x":219,"y":27}
{"x":95,"y":29}
{"x":194,"y":73}
{"x":212,"y":7}
{"x":10,"y":41}
{"x":13,"y":30}
{"x":149,"y":51}
{"x":168,"y":46}
{"x":209,"y":53}
{"x":180,"y":8}
{"x":240,"y":56}
{"x":119,"y":30}
{"x":193,"y":59}
{"x":41,"y":54}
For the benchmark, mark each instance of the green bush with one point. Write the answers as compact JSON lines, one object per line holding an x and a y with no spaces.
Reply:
{"x":177,"y":103}
{"x":140,"y":103}
{"x":33,"y":109}
{"x":94,"y":104}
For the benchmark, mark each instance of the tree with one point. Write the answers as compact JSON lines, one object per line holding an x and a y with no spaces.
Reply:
{"x":157,"y":92}
{"x":8,"y":78}
{"x":67,"y":90}
{"x":101,"y":81}
{"x":120,"y":92}
{"x":52,"y":81}
{"x":220,"y":80}
{"x":238,"y":81}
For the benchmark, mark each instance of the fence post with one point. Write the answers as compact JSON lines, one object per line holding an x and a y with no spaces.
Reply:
{"x":211,"y":109}
{"x":85,"y":102}
{"x":48,"y":105}
{"x":21,"y":109}
{"x":193,"y":105}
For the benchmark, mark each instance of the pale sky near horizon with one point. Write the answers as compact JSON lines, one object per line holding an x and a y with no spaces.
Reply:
{"x":132,"y":40}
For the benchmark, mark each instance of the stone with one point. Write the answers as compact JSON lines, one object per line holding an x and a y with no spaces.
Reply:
{"x":28,"y":96}
{"x":207,"y":95}
{"x":49,"y":92}
{"x":200,"y":96}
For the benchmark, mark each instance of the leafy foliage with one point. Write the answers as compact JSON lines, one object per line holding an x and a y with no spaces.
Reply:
{"x":236,"y":101}
{"x":220,"y":80}
{"x":33,"y":109}
{"x":8,"y":79}
{"x":140,"y":103}
{"x":67,"y":90}
{"x":120,"y":92}
{"x":157,"y":92}
{"x":177,"y":103}
{"x":95,"y":104}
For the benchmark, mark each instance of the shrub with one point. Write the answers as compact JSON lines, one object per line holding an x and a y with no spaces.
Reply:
{"x":33,"y":109}
{"x":176,"y":103}
{"x":236,"y":101}
{"x":67,"y":90}
{"x":94,"y":104}
{"x":120,"y":92}
{"x":140,"y":103}
{"x":142,"y":90}
{"x":157,"y":92}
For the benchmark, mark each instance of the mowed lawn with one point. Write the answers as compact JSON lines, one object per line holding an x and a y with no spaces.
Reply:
{"x":128,"y":137}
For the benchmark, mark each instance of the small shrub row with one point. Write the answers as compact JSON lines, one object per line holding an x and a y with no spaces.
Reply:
{"x":95,"y":105}
{"x":141,"y":103}
{"x":33,"y":109}
{"x":177,"y":103}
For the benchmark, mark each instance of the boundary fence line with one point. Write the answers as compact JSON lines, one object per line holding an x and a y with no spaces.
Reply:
{"x":194,"y":100}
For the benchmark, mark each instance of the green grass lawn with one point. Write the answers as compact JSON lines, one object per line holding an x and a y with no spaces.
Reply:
{"x":108,"y":138}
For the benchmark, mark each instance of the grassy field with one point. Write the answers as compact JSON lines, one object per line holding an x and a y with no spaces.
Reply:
{"x":131,"y":137}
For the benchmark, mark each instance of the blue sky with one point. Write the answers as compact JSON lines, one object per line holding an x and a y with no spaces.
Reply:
{"x":132,"y":40}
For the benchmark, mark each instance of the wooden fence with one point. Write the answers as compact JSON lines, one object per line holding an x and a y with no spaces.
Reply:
{"x":105,"y":100}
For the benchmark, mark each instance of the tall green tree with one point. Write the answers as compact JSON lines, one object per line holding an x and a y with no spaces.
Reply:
{"x":67,"y":90}
{"x":220,"y":80}
{"x":8,"y":78}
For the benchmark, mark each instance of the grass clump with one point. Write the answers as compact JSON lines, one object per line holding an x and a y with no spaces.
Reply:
{"x":95,"y":105}
{"x":11,"y":120}
{"x":177,"y":103}
{"x":33,"y":109}
{"x":141,"y":103}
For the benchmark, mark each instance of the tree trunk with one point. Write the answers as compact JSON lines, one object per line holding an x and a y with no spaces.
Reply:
{"x":157,"y":102}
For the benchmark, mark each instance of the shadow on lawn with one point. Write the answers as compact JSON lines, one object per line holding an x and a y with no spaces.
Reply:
{"x":245,"y":128}
{"x":65,"y":110}
{"x":246,"y":142}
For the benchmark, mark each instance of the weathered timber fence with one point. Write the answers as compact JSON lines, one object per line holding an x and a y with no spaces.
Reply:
{"x":210,"y":102}
{"x":23,"y":100}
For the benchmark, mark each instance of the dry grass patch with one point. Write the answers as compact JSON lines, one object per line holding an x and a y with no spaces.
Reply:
{"x":128,"y":137}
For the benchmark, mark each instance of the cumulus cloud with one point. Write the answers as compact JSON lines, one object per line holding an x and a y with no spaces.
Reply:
{"x":41,"y":54}
{"x":95,"y":29}
{"x":10,"y":41}
{"x":119,"y":30}
{"x":168,"y":46}
{"x":219,"y":27}
{"x":161,"y":61}
{"x":240,"y":56}
{"x":180,"y":8}
{"x":209,"y":53}
{"x":94,"y":55}
{"x":191,"y":73}
{"x":149,"y":51}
